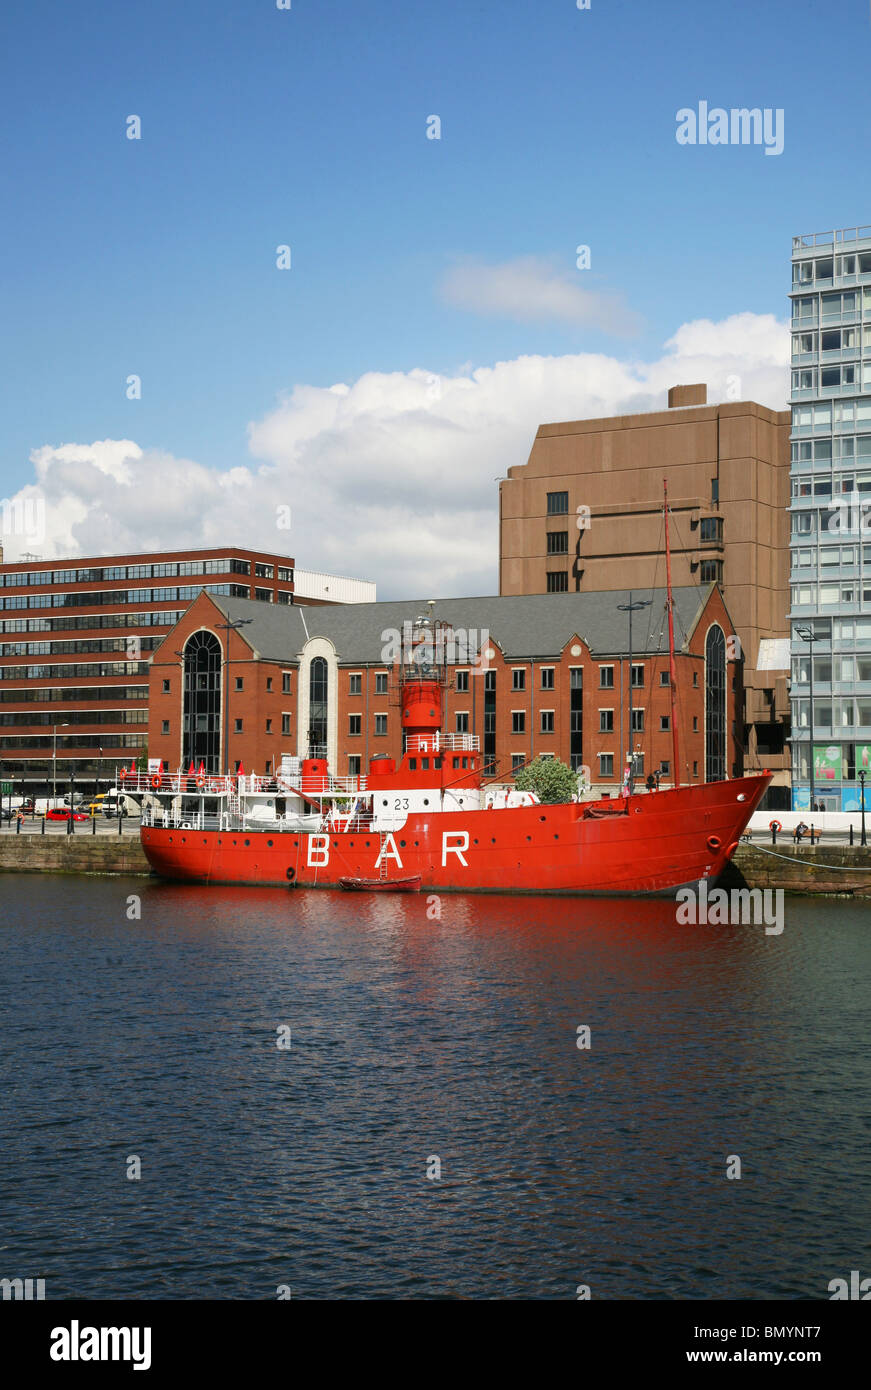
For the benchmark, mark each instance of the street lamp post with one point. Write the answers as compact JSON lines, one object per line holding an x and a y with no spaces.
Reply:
{"x":631,"y":608}
{"x":54,"y":729}
{"x":862,"y":775}
{"x":808,"y":635}
{"x":229,"y":627}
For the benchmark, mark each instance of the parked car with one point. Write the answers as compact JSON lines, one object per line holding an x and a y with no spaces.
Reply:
{"x":7,"y":813}
{"x":63,"y":813}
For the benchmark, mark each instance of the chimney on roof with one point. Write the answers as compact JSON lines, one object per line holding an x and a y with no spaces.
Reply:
{"x":687,"y":395}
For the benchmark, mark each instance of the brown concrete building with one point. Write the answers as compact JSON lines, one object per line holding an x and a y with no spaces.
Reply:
{"x":585,"y":513}
{"x":555,"y":682}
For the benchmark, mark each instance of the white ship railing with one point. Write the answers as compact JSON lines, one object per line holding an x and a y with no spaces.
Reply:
{"x":439,"y":742}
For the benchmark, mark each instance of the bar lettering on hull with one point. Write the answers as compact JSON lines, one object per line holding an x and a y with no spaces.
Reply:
{"x":461,"y":837}
{"x":318,"y":845}
{"x":388,"y":851}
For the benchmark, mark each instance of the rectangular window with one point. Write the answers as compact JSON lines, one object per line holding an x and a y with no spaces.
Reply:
{"x":268,"y":682}
{"x":355,"y":725}
{"x":518,"y":678}
{"x":695,"y":769}
{"x":353,"y":764}
{"x":557,"y":542}
{"x":557,"y":503}
{"x":269,"y":726}
{"x":381,"y":725}
{"x":547,"y":678}
{"x":165,"y":727}
{"x":638,"y":721}
{"x":518,"y":721}
{"x":695,"y":723}
{"x":664,"y":678}
{"x":285,"y":723}
{"x":381,"y":684}
{"x":606,"y":721}
{"x":355,"y":684}
{"x":710,"y":529}
{"x":238,"y":726}
{"x":606,"y":677}
{"x":637,"y":676}
{"x":711,"y":571}
{"x":240,"y":682}
{"x":285,"y":682}
{"x":606,"y":764}
{"x":557,"y":583}
{"x":462,"y":722}
{"x":664,"y":723}
{"x":547,"y":721}
{"x":462,"y":682}
{"x":166,"y":687}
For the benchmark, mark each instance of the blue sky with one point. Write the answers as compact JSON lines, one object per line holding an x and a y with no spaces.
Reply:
{"x":308,"y":127}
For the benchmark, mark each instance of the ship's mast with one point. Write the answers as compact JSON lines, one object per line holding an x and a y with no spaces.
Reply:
{"x":671,"y":667}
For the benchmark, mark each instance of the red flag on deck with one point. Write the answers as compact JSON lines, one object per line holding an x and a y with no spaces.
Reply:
{"x":241,"y":772}
{"x":202,"y":768}
{"x":191,"y":769}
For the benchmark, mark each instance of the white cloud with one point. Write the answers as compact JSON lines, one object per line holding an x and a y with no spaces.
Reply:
{"x":391,"y":477}
{"x":533,"y":290}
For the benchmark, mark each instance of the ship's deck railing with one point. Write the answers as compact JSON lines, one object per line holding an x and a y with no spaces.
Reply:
{"x":182,"y":784}
{"x":434,"y":743}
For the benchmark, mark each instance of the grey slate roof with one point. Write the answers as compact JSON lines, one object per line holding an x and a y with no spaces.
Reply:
{"x":529,"y":625}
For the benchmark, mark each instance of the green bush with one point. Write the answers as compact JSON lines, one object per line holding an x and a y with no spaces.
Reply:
{"x":550,"y":779}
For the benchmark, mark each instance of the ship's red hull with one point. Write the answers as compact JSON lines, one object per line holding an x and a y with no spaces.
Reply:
{"x":664,"y":840}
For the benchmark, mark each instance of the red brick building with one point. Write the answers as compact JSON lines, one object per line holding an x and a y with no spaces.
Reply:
{"x":532,"y":675}
{"x":76,"y":636}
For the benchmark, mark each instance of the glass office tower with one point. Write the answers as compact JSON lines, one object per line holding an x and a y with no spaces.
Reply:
{"x":830,"y":517}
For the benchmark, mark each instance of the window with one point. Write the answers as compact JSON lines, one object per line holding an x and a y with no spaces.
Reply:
{"x":164,"y":729}
{"x":638,"y":721}
{"x":381,"y":684}
{"x":557,"y":503}
{"x":268,"y":682}
{"x":381,"y":723}
{"x":355,"y":725}
{"x":462,"y":682}
{"x":268,"y":767}
{"x":318,"y":711}
{"x":715,"y":490}
{"x":547,"y":721}
{"x":240,"y":682}
{"x":547,"y":678}
{"x":355,"y":684}
{"x":238,"y":726}
{"x":606,"y":677}
{"x":710,"y":529}
{"x":695,"y":678}
{"x":353,"y":764}
{"x":462,"y":723}
{"x":664,"y":678}
{"x":711,"y":571}
{"x":664,"y":723}
{"x":518,"y":678}
{"x":606,"y":721}
{"x":557,"y":583}
{"x":285,"y":682}
{"x":269,"y":726}
{"x":665,"y":768}
{"x":557,"y":542}
{"x":606,"y":764}
{"x":695,"y":723}
{"x":166,"y":687}
{"x":637,"y":677}
{"x":695,"y":769}
{"x":518,"y":721}
{"x":285,"y":723}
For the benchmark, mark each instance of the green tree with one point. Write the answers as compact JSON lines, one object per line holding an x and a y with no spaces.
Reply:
{"x":550,"y":779}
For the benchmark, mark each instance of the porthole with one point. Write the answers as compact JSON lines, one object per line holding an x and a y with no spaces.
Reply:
{"x":529,"y":837}
{"x":247,"y":842}
{"x":402,"y":844}
{"x":426,"y":801}
{"x":474,"y":842}
{"x":269,"y":844}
